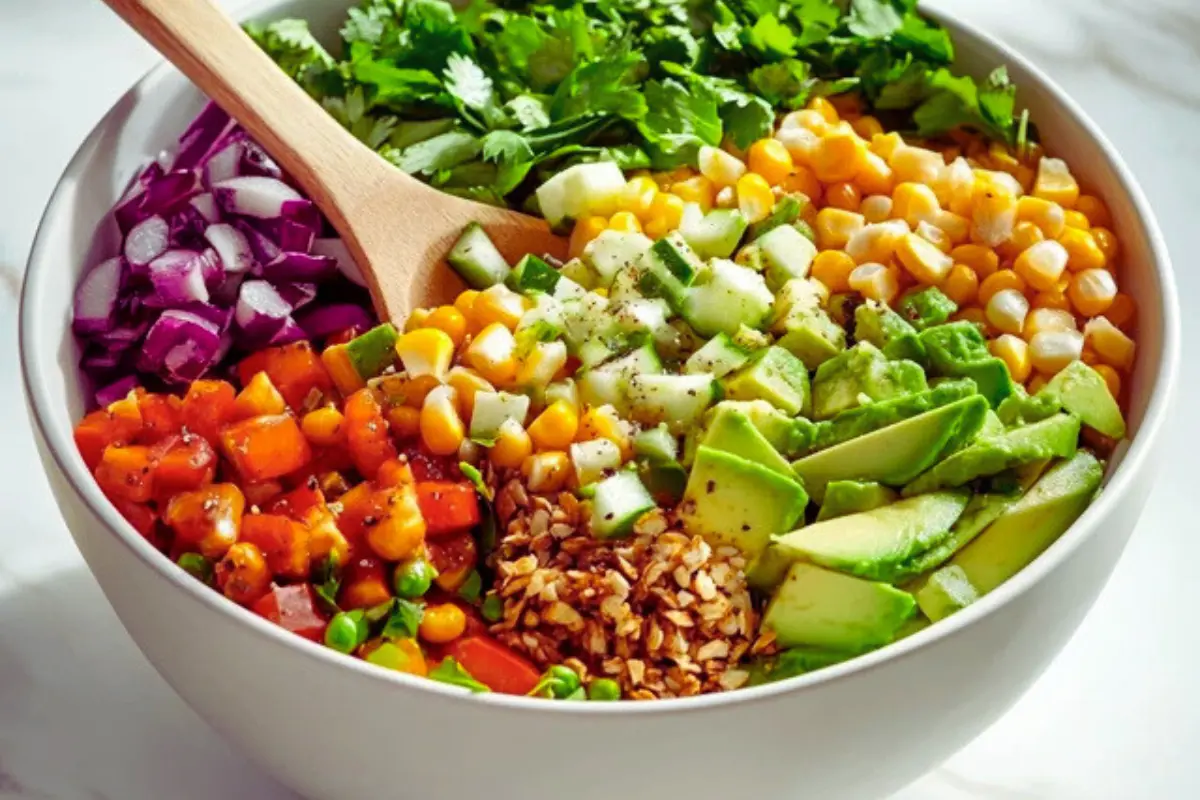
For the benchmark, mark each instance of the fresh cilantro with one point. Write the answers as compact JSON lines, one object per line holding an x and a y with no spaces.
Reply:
{"x":472,"y":91}
{"x":602,"y":87}
{"x":957,"y":101}
{"x":327,"y":581}
{"x":443,"y":151}
{"x":453,"y":673}
{"x":787,"y":84}
{"x":772,"y":39}
{"x":817,"y":18}
{"x":726,"y":30}
{"x":529,"y":111}
{"x":293,"y":47}
{"x":679,"y":121}
{"x":506,"y":147}
{"x":471,"y":473}
{"x":873,"y":19}
{"x":402,"y":620}
{"x":673,"y":43}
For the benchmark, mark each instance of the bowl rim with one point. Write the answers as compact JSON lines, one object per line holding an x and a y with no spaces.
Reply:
{"x":60,"y":446}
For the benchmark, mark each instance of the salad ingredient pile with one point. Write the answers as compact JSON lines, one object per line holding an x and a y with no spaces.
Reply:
{"x":786,"y":403}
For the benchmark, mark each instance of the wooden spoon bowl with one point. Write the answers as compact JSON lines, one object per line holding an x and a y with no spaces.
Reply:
{"x":397,"y":229}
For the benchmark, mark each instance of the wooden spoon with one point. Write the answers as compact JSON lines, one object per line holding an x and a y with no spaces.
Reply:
{"x":397,"y":229}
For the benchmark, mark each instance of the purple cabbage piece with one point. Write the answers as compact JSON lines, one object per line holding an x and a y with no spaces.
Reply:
{"x":118,"y":389}
{"x":96,"y":299}
{"x":180,"y":347}
{"x":299,"y":268}
{"x":178,"y":278}
{"x":321,"y":322}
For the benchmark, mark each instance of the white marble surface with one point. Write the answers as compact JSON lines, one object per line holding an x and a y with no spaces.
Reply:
{"x":82,"y":716}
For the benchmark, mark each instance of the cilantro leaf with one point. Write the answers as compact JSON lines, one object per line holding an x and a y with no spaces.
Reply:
{"x":472,"y":91}
{"x":787,"y":84}
{"x":924,"y":39}
{"x":529,"y":111}
{"x":370,"y":21}
{"x":471,"y":473}
{"x":506,"y":147}
{"x":443,"y":151}
{"x":673,"y":43}
{"x":679,"y":122}
{"x":873,"y":19}
{"x":818,"y":19}
{"x":403,"y":619}
{"x":327,"y":581}
{"x":453,"y":673}
{"x":601,"y":87}
{"x":957,"y":101}
{"x":771,"y":38}
{"x":293,"y":47}
{"x":394,"y":86}
{"x":726,"y":29}
{"x":745,"y":117}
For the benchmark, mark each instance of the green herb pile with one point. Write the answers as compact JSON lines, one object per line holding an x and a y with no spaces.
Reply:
{"x":488,"y":100}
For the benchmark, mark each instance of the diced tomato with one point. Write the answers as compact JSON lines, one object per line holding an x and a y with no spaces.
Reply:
{"x":298,"y":501}
{"x":283,"y":542}
{"x":428,"y":467}
{"x":126,"y":473}
{"x":142,"y":518}
{"x":262,"y":493}
{"x":495,"y":666}
{"x":293,"y":608}
{"x":188,"y":463}
{"x":207,"y":519}
{"x":267,"y":447}
{"x":453,"y":557}
{"x":208,"y":407}
{"x":367,"y":433}
{"x":448,"y":507}
{"x":162,"y":416}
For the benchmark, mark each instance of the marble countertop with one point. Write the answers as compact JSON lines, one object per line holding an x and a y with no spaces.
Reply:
{"x":84,"y":717}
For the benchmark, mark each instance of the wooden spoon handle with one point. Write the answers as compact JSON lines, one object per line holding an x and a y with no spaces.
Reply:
{"x":211,"y":50}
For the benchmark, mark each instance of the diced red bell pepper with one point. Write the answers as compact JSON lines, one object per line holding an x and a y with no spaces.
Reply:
{"x":188,"y":463}
{"x":448,"y":507}
{"x":293,"y":608}
{"x":297,"y":502}
{"x":453,"y":557}
{"x":250,"y":366}
{"x":428,"y":467}
{"x":142,"y":518}
{"x":266,"y":447}
{"x":495,"y":666}
{"x":162,"y":416}
{"x":207,"y":407}
{"x":367,"y":433}
{"x":364,"y":581}
{"x":283,"y":541}
{"x":119,"y":424}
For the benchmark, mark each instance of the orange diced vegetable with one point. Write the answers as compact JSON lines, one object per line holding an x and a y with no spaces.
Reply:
{"x":283,"y":542}
{"x":265,"y":447}
{"x":453,"y":557}
{"x":293,"y":608}
{"x":162,"y":416}
{"x":188,"y":463}
{"x":126,"y":473}
{"x":448,"y":507}
{"x":208,"y":407}
{"x":298,"y":373}
{"x":258,"y":398}
{"x":367,"y":433}
{"x":495,"y":666}
{"x":207,"y":519}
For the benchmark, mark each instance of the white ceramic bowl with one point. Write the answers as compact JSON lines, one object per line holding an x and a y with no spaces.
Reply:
{"x":336,"y":728}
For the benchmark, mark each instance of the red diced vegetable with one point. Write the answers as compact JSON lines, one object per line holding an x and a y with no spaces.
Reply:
{"x":162,"y":416}
{"x":265,"y":447}
{"x":297,"y":371}
{"x":283,"y":542}
{"x":365,"y":583}
{"x":189,"y":463}
{"x":126,"y":473}
{"x":141,"y":517}
{"x":297,"y":503}
{"x":367,"y":433}
{"x":207,"y":519}
{"x":293,"y":608}
{"x":453,"y":557}
{"x":208,"y":407}
{"x":495,"y":666}
{"x":448,"y":507}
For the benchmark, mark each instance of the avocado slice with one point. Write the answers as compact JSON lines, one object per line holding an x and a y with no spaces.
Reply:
{"x":959,"y":350}
{"x":664,"y":480}
{"x":1082,"y":391}
{"x":774,"y":375}
{"x":1056,"y":437}
{"x":1031,"y":524}
{"x":731,"y":431}
{"x":817,"y":607}
{"x":789,"y":435}
{"x":878,"y":324}
{"x":948,"y":590}
{"x":927,"y":307}
{"x":876,"y":544}
{"x":860,"y":375}
{"x":851,"y":497}
{"x":1019,"y":408}
{"x":793,"y":662}
{"x":981,"y":511}
{"x":730,"y":500}
{"x":812,"y":337}
{"x":896,"y":454}
{"x":855,"y":422}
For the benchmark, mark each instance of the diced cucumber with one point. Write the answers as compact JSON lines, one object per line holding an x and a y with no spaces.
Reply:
{"x":532,"y":274}
{"x":656,"y":444}
{"x":667,"y":269}
{"x":594,"y":352}
{"x":594,"y":460}
{"x":476,"y":259}
{"x":625,"y":285}
{"x":491,"y":411}
{"x":786,"y":254}
{"x":613,"y":251}
{"x":584,"y":318}
{"x":567,"y":289}
{"x":677,"y":400}
{"x":727,"y":297}
{"x":547,"y":312}
{"x":787,"y":211}
{"x":374,"y":351}
{"x":581,"y":273}
{"x":619,"y":502}
{"x":716,"y":234}
{"x":649,"y":317}
{"x":605,"y":384}
{"x":563,"y":390}
{"x":718,"y":357}
{"x":578,"y":190}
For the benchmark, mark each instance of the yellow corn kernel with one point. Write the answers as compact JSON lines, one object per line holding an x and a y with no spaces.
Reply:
{"x":806,"y":119}
{"x":833,"y":268}
{"x":1055,"y":182}
{"x":491,"y":353}
{"x":1112,"y":379}
{"x":656,"y":229}
{"x":961,"y":285}
{"x":875,"y":242}
{"x":1123,"y":312}
{"x":957,"y":188}
{"x":667,"y":210}
{"x":923,"y":260}
{"x":637,"y":196}
{"x":584,"y":232}
{"x":876,"y":208}
{"x":835,"y":227}
{"x":720,"y":167}
{"x":770,"y":159}
{"x":465,"y":303}
{"x":603,"y":423}
{"x":993,"y":215}
{"x":1042,"y":264}
{"x":259,"y":397}
{"x":626,"y":222}
{"x":875,"y":282}
{"x":804,"y":182}
{"x":1006,"y":311}
{"x":1050,"y":351}
{"x":546,"y":472}
{"x":979,"y":258}
{"x":825,"y":108}
{"x":1073,"y":219}
{"x":874,"y":176}
{"x":1014,"y":352}
{"x":442,"y":430}
{"x":935,"y":236}
{"x":323,"y":426}
{"x":1040,"y":320}
{"x":1024,"y":236}
{"x":1055,"y":298}
{"x":497,"y":304}
{"x":466,"y":383}
{"x":1082,"y":250}
{"x":426,"y":351}
{"x":1048,"y":216}
{"x":973,"y":314}
{"x":843,"y":195}
{"x":838,"y":157}
{"x":1092,"y":292}
{"x":867,"y":127}
{"x":917,"y":165}
{"x":800,"y":143}
{"x":417,"y":318}
{"x":404,"y":422}
{"x":956,"y":227}
{"x":755,"y":198}
{"x":450,"y":321}
{"x":1095,"y":210}
{"x":1106,"y":240}
{"x":555,"y":428}
{"x":442,"y":623}
{"x":885,"y":145}
{"x":512,"y":446}
{"x":998,"y":281}
{"x":914,"y":203}
{"x":541,"y":364}
{"x":699,"y":190}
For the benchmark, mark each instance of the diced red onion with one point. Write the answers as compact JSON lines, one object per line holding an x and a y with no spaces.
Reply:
{"x":255,"y":161}
{"x":260,"y":312}
{"x":232,"y":246}
{"x":324,"y":321}
{"x":295,"y":237}
{"x":178,"y":278}
{"x":297,"y":295}
{"x":180,"y":346}
{"x":205,"y":130}
{"x":99,"y":360}
{"x":224,"y":164}
{"x":187,"y":229}
{"x":148,"y":240}
{"x":117,"y":390}
{"x":265,"y":250}
{"x":225,"y":294}
{"x":254,"y":196}
{"x":290,"y":332}
{"x":97,"y":297}
{"x":221,"y":317}
{"x":336,"y":249}
{"x":206,"y":205}
{"x":160,"y":197}
{"x":299,"y":267}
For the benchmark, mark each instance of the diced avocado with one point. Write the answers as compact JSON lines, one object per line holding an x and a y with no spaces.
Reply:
{"x":374,"y":351}
{"x":842,"y":306}
{"x":656,"y":444}
{"x":665,"y":480}
{"x":1031,"y":524}
{"x":859,"y":376}
{"x":816,"y":607}
{"x":493,"y":409}
{"x":789,"y":435}
{"x":679,"y":401}
{"x":750,"y":339}
{"x":786,"y":212}
{"x":927,"y":307}
{"x":852,"y":497}
{"x":992,"y":425}
{"x":532,"y":274}
{"x":605,"y":384}
{"x":619,"y":501}
{"x":896,"y":454}
{"x":476,"y":259}
{"x":786,"y":253}
{"x":1056,"y":437}
{"x":799,"y":297}
{"x":958,"y":350}
{"x":614,"y":251}
{"x":1019,"y":408}
{"x":876,"y":544}
{"x":718,"y":357}
{"x":774,"y":375}
{"x":948,"y":590}
{"x":793,"y":662}
{"x":730,"y":500}
{"x":716,"y":234}
{"x":887,"y":330}
{"x":1082,"y":391}
{"x":866,"y":419}
{"x":725,"y":297}
{"x":731,"y":431}
{"x":979,"y":513}
{"x":813,"y":338}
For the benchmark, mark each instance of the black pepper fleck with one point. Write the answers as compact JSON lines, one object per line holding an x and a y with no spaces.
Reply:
{"x":710,"y":487}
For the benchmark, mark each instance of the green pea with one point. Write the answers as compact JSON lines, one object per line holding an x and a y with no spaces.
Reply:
{"x":197,"y":566}
{"x":563,"y":680}
{"x":493,"y":607}
{"x":604,"y":689}
{"x":578,"y":694}
{"x":343,"y":633}
{"x":413,"y":578}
